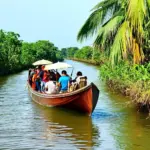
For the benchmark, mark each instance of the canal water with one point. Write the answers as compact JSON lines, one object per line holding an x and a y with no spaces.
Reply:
{"x":26,"y":125}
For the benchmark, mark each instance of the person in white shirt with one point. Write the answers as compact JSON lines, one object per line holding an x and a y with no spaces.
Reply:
{"x":50,"y":87}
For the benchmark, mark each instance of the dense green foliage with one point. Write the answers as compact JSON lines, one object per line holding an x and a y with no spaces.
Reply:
{"x":84,"y":53}
{"x":122,"y":29}
{"x":16,"y":55}
{"x":64,"y":52}
{"x":131,"y":80}
{"x":10,"y":52}
{"x":69,"y":52}
{"x":32,"y":52}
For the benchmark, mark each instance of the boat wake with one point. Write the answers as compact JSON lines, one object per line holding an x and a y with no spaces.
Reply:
{"x":101,"y":114}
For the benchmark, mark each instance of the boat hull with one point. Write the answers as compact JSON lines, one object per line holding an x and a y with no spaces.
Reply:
{"x":83,"y":100}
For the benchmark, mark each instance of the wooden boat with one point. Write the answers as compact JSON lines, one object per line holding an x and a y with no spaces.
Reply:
{"x":83,"y":100}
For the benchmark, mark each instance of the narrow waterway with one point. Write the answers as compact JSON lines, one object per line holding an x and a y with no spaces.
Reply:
{"x":26,"y":125}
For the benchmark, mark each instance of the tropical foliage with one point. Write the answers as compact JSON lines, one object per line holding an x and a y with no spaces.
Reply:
{"x":69,"y":52}
{"x":122,"y":29}
{"x":84,"y":53}
{"x":16,"y":55}
{"x":10,"y":52}
{"x":39,"y":50}
{"x":130,"y":80}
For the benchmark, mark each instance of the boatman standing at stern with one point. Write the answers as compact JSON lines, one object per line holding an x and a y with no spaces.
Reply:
{"x":64,"y":82}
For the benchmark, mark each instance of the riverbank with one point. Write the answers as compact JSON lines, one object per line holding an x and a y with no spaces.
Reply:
{"x":87,"y":61}
{"x":130,"y":80}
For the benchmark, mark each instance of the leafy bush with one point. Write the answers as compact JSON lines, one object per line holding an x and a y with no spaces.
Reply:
{"x":131,"y":80}
{"x":15,"y":54}
{"x":84,"y":53}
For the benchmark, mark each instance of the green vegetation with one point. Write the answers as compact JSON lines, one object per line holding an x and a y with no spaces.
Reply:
{"x":85,"y":54}
{"x":122,"y":30}
{"x":10,"y":52}
{"x":130,"y":80}
{"x":32,"y":52}
{"x":16,"y":55}
{"x":69,"y":52}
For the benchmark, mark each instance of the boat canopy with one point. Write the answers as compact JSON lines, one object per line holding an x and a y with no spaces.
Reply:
{"x":42,"y":62}
{"x":58,"y":65}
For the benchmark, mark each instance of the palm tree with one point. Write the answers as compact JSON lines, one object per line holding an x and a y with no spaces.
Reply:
{"x":120,"y":28}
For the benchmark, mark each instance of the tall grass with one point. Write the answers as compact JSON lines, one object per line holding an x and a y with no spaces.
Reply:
{"x":130,"y":80}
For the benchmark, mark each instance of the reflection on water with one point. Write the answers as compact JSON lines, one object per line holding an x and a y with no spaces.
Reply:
{"x":26,"y":125}
{"x":74,"y":130}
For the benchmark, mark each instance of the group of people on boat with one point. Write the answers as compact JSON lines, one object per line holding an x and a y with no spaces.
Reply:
{"x":51,"y":82}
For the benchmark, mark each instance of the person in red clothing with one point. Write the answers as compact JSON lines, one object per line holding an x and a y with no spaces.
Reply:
{"x":34,"y":77}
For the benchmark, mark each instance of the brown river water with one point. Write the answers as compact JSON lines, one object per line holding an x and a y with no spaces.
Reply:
{"x":25,"y":125}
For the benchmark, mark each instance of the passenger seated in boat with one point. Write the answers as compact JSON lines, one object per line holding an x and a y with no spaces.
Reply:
{"x":44,"y":80}
{"x":34,"y":77}
{"x":79,"y":82}
{"x":29,"y":79}
{"x":32,"y":72}
{"x":30,"y":75}
{"x":50,"y":87}
{"x":52,"y":74}
{"x":41,"y":75}
{"x":82,"y":81}
{"x":64,"y":82}
{"x":79,"y":73}
{"x":57,"y":75}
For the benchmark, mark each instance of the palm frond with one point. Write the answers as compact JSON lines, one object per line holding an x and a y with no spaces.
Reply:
{"x":95,"y":20}
{"x":104,"y":3}
{"x":138,"y":54}
{"x":148,"y":7}
{"x":121,"y":43}
{"x":135,"y":14}
{"x":91,"y":24}
{"x":137,"y":51}
{"x":107,"y":32}
{"x":147,"y":25}
{"x":148,"y":3}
